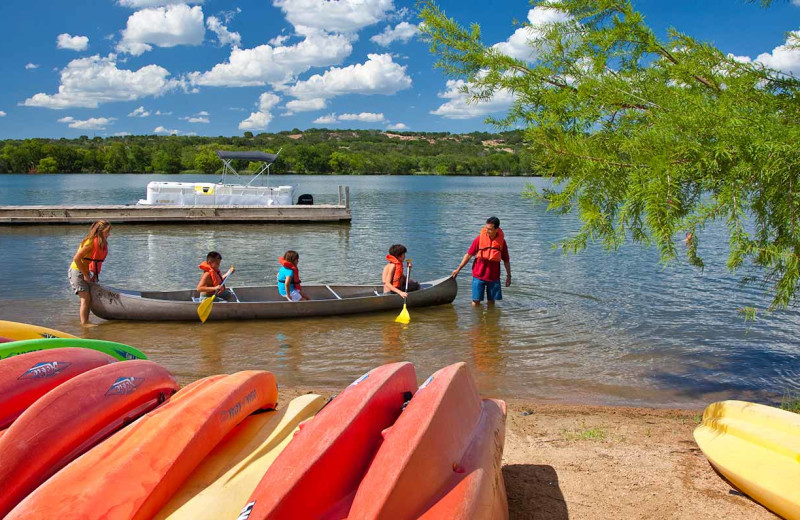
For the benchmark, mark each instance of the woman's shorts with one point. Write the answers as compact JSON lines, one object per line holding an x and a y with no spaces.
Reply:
{"x":76,"y":281}
{"x":492,"y":290}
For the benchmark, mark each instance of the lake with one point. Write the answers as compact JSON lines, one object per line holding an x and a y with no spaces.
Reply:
{"x":598,"y":327}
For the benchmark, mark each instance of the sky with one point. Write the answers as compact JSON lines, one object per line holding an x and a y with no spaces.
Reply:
{"x":214,"y":67}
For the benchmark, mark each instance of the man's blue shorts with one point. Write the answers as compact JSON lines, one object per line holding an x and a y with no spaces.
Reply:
{"x":492,"y":290}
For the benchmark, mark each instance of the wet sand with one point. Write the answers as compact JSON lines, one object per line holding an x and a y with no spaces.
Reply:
{"x":589,"y":462}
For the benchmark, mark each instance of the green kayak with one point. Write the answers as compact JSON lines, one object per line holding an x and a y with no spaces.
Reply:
{"x":117,"y":350}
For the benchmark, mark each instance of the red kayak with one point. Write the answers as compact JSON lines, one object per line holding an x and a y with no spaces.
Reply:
{"x":73,"y":417}
{"x":26,"y":378}
{"x":317,"y":473}
{"x":429,"y":450}
{"x":5,"y":340}
{"x":132,"y":474}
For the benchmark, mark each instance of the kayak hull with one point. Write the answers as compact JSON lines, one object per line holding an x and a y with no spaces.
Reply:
{"x":15,"y":331}
{"x":118,"y":351}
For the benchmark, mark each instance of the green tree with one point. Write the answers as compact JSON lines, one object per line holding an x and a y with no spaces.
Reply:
{"x":647,"y":138}
{"x":47,"y":165}
{"x":207,"y":161}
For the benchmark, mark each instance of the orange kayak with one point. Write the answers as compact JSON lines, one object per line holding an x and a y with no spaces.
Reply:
{"x":132,"y":474}
{"x":317,"y":473}
{"x":25,"y":378}
{"x":72,"y":418}
{"x":429,"y":450}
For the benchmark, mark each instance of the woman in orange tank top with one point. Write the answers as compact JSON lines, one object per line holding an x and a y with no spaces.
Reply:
{"x":86,"y":264}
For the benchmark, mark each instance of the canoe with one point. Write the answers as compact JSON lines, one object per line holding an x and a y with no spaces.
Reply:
{"x":26,"y":378}
{"x":445,"y":435}
{"x":72,"y":418}
{"x":20,"y":331}
{"x":265,"y":302}
{"x":221,"y":485}
{"x":328,"y":457}
{"x":757,"y":448}
{"x":132,"y":474}
{"x":116,"y":350}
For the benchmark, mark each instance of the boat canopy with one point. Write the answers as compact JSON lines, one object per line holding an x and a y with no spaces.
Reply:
{"x":253,"y":155}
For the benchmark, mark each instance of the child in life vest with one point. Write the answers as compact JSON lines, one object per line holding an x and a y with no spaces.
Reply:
{"x":211,"y":279}
{"x":289,"y":277}
{"x":394,"y":278}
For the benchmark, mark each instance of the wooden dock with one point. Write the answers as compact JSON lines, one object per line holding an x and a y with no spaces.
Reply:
{"x":167,"y":214}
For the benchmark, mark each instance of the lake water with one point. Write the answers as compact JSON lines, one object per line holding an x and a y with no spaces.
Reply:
{"x":599,"y":327}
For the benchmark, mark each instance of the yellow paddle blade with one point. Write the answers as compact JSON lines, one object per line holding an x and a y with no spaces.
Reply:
{"x":204,"y":309}
{"x":403,"y":317}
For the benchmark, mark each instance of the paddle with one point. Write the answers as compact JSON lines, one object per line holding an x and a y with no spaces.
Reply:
{"x":404,"y":317}
{"x":204,"y":309}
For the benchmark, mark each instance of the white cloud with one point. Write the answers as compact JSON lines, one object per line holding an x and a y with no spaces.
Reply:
{"x":87,"y":82}
{"x":139,"y":4}
{"x":259,"y":120}
{"x":160,"y":113}
{"x":2,"y":114}
{"x":330,"y":119}
{"x":267,"y":64}
{"x":461,"y":106}
{"x":403,"y":31}
{"x":796,"y":2}
{"x":378,"y":75}
{"x":93,"y":123}
{"x":73,"y":43}
{"x":343,"y":16}
{"x":139,"y":112}
{"x":162,"y":26}
{"x":162,"y":130}
{"x":784,"y":58}
{"x":364,"y":117}
{"x":224,"y":36}
{"x":196,"y":119}
{"x":517,"y":45}
{"x":30,"y":66}
{"x":305,"y":105}
{"x":397,"y":126}
{"x":202,"y":113}
{"x":121,"y":134}
{"x":279,"y":40}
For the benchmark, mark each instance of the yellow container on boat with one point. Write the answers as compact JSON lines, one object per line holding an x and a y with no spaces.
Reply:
{"x":220,"y":486}
{"x":23,"y":331}
{"x":757,"y":448}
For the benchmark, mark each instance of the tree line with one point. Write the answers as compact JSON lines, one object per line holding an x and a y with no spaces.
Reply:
{"x":316,"y":151}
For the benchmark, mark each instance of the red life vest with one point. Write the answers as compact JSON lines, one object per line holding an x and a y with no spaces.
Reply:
{"x":397,"y":278}
{"x":216,"y":275}
{"x":295,"y":271}
{"x":491,"y":249}
{"x":98,"y":256}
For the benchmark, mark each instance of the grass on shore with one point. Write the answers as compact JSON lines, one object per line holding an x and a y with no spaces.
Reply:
{"x":791,"y":402}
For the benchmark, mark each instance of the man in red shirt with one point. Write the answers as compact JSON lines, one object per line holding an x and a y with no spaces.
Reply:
{"x":489,"y":249}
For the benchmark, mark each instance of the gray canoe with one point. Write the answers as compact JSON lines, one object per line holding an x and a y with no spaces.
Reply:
{"x":257,"y":303}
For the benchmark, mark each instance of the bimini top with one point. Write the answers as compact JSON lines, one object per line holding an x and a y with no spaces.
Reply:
{"x":247,"y":156}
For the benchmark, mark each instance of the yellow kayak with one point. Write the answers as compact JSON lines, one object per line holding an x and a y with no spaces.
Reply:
{"x":757,"y":448}
{"x":22,"y":331}
{"x":220,"y":486}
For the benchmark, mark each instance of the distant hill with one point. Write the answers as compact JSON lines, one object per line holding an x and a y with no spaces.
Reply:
{"x":315,"y":151}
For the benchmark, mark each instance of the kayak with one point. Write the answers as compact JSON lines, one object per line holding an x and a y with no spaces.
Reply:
{"x":5,"y":340}
{"x":26,"y":378}
{"x":133,"y":474}
{"x":220,"y":486}
{"x":323,"y":465}
{"x":113,"y":349}
{"x":19,"y":331}
{"x":265,"y":302}
{"x":72,"y":418}
{"x":444,"y":435}
{"x":757,"y":448}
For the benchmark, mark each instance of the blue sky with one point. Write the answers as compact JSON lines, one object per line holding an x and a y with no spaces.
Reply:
{"x":213,"y":67}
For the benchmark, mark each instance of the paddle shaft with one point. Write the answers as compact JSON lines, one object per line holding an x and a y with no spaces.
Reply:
{"x":408,"y":275}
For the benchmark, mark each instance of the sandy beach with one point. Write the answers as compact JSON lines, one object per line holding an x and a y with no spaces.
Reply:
{"x":588,"y":462}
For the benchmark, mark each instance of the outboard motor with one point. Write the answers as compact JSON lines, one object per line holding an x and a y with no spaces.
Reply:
{"x":306,"y":199}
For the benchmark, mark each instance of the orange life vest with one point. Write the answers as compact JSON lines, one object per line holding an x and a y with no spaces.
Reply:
{"x":491,"y":249}
{"x":295,"y":271}
{"x":397,"y":279}
{"x":216,"y":275}
{"x":99,"y":254}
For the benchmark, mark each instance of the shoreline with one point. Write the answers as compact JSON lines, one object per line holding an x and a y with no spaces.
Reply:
{"x":577,"y":461}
